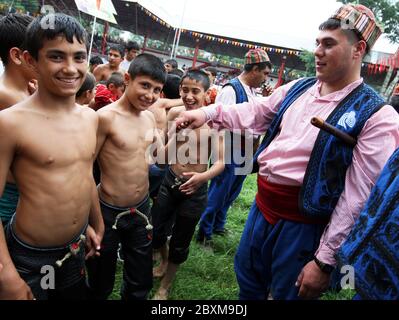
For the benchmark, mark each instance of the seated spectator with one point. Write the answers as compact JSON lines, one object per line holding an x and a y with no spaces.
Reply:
{"x":110,"y":92}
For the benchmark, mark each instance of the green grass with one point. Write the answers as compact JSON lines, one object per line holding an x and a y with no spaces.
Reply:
{"x":209,"y":275}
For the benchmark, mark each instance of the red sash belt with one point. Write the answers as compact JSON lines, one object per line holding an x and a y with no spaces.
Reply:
{"x":277,"y":202}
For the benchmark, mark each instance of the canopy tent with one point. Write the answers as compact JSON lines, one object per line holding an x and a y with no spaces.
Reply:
{"x":133,"y":17}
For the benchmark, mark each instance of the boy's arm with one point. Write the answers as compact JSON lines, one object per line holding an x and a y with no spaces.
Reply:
{"x":158,"y":148}
{"x":12,"y":287}
{"x":169,"y":103}
{"x":95,"y":231}
{"x":104,"y":124}
{"x":218,"y":150}
{"x":97,"y":73}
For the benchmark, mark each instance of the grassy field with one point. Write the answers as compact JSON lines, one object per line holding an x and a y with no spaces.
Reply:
{"x":209,"y":274}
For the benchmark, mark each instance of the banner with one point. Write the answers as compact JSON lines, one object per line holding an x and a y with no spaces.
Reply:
{"x":105,"y":12}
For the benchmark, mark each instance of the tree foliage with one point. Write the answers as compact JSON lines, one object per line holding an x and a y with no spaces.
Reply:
{"x":308,"y":58}
{"x":386,"y":12}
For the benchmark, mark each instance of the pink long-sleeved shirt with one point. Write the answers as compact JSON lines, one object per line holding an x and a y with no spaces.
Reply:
{"x":285,"y":160}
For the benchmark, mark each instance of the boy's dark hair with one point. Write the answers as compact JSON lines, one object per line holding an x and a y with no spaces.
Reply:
{"x":171,"y":87}
{"x":88,"y":84}
{"x":12,"y":33}
{"x":132,"y":45}
{"x":146,"y":64}
{"x":173,"y":63}
{"x":116,"y":79}
{"x":212,"y":70}
{"x":199,"y":76}
{"x":261,"y":66}
{"x":177,"y":72}
{"x":334,"y":24}
{"x":96,"y":60}
{"x":117,"y":47}
{"x":62,"y":25}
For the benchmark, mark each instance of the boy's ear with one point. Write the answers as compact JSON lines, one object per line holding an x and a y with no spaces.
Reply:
{"x":16,"y":55}
{"x":29,"y":59}
{"x":127,"y":78}
{"x":111,"y":86}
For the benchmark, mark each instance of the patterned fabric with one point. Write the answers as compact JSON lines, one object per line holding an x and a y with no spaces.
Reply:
{"x":324,"y":179}
{"x":372,"y":247}
{"x":361,"y":19}
{"x":325,"y":174}
{"x":256,"y":56}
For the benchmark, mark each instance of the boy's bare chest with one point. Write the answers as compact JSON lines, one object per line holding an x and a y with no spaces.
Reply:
{"x":195,"y":137}
{"x":58,"y":142}
{"x":128,"y":134}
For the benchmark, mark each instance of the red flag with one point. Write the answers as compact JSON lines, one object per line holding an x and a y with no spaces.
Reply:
{"x":98,"y":4}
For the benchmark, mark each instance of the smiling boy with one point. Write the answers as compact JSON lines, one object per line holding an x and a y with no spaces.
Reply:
{"x":182,"y":196}
{"x":50,"y":152}
{"x":121,"y":148}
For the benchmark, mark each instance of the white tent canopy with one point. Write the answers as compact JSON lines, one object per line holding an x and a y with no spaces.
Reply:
{"x":285,"y":23}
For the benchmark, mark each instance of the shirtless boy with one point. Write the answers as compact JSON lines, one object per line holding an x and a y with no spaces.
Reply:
{"x":48,"y":142}
{"x":122,"y":156}
{"x":104,"y":71}
{"x":15,"y":86}
{"x":182,"y":196}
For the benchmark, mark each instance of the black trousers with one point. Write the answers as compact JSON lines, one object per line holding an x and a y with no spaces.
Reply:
{"x":136,"y":243}
{"x":174,"y":207}
{"x":37,"y":267}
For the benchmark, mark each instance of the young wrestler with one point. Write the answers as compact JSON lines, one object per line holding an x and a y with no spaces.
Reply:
{"x":170,"y":64}
{"x":87,"y":91}
{"x":94,"y":62}
{"x":121,"y":148}
{"x":14,"y":87}
{"x":104,"y":71}
{"x":183,"y":193}
{"x":50,"y":152}
{"x":170,"y":98}
{"x":110,"y":92}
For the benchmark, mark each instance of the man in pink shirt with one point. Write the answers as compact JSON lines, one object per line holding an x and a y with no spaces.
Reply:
{"x":311,"y":185}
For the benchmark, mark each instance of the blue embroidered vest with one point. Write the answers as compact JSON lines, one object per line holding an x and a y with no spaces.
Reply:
{"x":241,"y":95}
{"x":325,"y":174}
{"x":372,"y":247}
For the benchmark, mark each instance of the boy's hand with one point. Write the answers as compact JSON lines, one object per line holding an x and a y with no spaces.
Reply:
{"x":195,"y":181}
{"x":12,"y":287}
{"x":93,"y":243}
{"x":190,"y":119}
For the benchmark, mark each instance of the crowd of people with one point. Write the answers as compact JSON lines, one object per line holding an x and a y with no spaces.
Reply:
{"x":130,"y":157}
